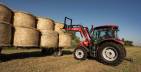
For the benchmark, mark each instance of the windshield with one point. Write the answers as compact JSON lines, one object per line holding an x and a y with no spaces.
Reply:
{"x":104,"y":34}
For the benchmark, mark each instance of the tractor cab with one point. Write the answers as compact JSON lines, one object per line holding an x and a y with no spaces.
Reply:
{"x":105,"y":32}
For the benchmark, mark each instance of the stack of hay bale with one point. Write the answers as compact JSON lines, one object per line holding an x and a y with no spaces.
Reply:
{"x":49,"y":37}
{"x":5,"y":25}
{"x":64,"y":38}
{"x":30,"y":31}
{"x":25,"y":33}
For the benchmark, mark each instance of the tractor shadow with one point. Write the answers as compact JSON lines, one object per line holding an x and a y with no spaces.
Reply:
{"x":23,"y":55}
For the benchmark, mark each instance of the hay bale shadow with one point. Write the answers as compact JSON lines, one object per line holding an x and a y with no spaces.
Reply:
{"x":21,"y":55}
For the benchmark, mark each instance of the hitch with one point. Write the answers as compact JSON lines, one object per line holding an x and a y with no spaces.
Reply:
{"x":129,"y":59}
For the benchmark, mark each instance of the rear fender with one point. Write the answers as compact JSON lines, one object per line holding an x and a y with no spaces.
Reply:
{"x":112,"y":40}
{"x":82,"y":46}
{"x":109,"y":40}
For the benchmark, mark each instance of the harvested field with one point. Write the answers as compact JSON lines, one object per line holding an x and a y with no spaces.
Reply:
{"x":31,"y":60}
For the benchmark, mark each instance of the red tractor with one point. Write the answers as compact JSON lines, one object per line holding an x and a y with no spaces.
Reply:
{"x":100,"y":42}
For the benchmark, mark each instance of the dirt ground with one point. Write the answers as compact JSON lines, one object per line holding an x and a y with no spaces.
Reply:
{"x":24,"y":60}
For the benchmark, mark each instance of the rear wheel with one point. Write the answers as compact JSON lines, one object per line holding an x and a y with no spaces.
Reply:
{"x":80,"y":53}
{"x":111,"y":53}
{"x":58,"y":52}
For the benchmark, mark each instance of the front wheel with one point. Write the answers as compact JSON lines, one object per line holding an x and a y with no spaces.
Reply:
{"x":80,"y":53}
{"x":111,"y":53}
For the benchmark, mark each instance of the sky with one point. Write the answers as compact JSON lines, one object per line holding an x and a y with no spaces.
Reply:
{"x":124,"y":13}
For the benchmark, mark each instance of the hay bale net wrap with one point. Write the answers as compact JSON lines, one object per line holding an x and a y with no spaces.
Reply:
{"x":5,"y":13}
{"x":26,"y":37}
{"x":65,"y":40}
{"x":24,"y":19}
{"x":59,"y":27}
{"x":49,"y":39}
{"x":5,"y":34}
{"x":45,"y":24}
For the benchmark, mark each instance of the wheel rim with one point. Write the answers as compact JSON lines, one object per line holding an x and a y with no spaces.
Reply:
{"x":110,"y":53}
{"x":79,"y":53}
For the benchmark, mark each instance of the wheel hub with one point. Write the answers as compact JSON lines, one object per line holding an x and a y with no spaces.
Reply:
{"x":79,"y":53}
{"x":110,"y":54}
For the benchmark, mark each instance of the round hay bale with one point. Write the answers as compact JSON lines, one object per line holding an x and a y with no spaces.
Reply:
{"x":24,"y":20}
{"x":59,"y":27}
{"x":45,"y":24}
{"x":65,"y":40}
{"x":49,"y":39}
{"x":5,"y":14}
{"x":5,"y":34}
{"x":26,"y":37}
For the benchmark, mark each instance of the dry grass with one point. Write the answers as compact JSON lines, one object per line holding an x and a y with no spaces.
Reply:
{"x":34,"y":61}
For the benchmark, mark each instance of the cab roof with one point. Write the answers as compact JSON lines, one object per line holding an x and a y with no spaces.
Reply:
{"x":115,"y":27}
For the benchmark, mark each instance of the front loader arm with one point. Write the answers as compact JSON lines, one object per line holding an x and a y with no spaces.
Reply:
{"x":76,"y":29}
{"x":84,"y":31}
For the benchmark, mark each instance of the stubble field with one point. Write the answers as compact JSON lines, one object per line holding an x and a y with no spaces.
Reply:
{"x":32,"y":60}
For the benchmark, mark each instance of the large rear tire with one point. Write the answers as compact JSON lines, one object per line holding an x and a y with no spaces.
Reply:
{"x":111,"y":53}
{"x":80,"y":53}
